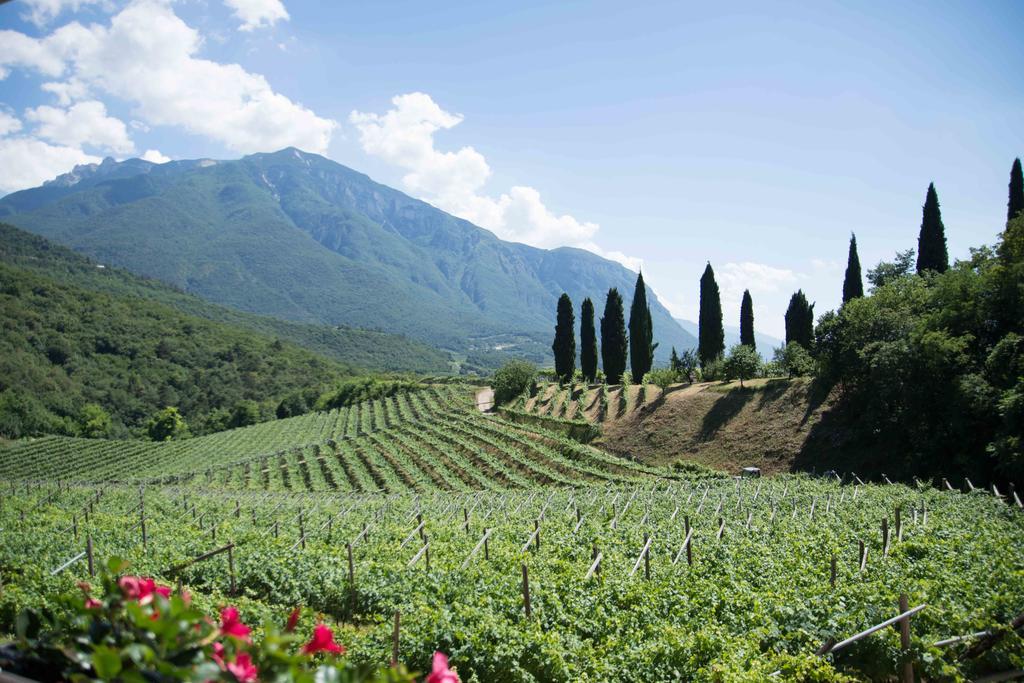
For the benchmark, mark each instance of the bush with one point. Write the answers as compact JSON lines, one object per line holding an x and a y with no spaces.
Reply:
{"x":661,"y":378}
{"x":512,"y":379}
{"x":794,"y":360}
{"x":713,"y":370}
{"x":363,"y":389}
{"x":166,"y":425}
{"x":742,"y":363}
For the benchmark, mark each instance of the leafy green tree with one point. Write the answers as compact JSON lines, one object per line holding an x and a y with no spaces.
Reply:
{"x":742,"y":363}
{"x":166,"y":425}
{"x":22,"y":414}
{"x":747,"y":321}
{"x":931,"y":243}
{"x":588,"y":342}
{"x":688,"y":364}
{"x":244,"y":413}
{"x":673,"y":361}
{"x":641,"y":332}
{"x":94,"y":422}
{"x":800,"y":320}
{"x":853,"y":287}
{"x":564,"y":346}
{"x":710,"y":333}
{"x":512,"y":380}
{"x":1016,"y":202}
{"x":661,"y":378}
{"x":794,"y":360}
{"x":614,"y":340}
{"x":887,"y":271}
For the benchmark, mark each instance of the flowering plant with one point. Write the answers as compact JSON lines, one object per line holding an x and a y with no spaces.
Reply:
{"x":130,"y":628}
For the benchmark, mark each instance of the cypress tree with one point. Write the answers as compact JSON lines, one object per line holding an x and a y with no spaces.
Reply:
{"x":1016,"y":203}
{"x":747,"y":321}
{"x":641,"y":333}
{"x":853,"y":286}
{"x":588,"y":341}
{"x":674,"y":364}
{"x":614,"y":341}
{"x":800,"y":320}
{"x":564,"y":346}
{"x":710,"y":333}
{"x":931,"y":244}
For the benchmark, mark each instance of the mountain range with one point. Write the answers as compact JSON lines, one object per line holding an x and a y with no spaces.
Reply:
{"x":298,"y":237}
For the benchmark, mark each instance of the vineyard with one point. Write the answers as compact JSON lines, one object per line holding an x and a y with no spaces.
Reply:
{"x":524,"y":555}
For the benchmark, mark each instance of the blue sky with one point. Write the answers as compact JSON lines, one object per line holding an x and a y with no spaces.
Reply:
{"x":757,"y":136}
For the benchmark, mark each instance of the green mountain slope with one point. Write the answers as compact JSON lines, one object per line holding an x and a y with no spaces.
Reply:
{"x":364,"y":349}
{"x":299,"y":237}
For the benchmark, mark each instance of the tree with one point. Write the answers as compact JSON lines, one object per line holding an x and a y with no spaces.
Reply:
{"x":513,"y":379}
{"x":614,"y":341}
{"x":887,"y":271}
{"x":800,"y":320}
{"x":166,"y":425}
{"x":673,"y":361}
{"x":747,"y":321}
{"x":794,"y":359}
{"x":588,"y":342}
{"x":931,"y":243}
{"x":688,"y":364}
{"x":1016,"y":203}
{"x":742,"y":363}
{"x":853,"y":287}
{"x":641,"y":332}
{"x":564,"y":346}
{"x":710,"y":333}
{"x":95,"y":422}
{"x":244,"y":413}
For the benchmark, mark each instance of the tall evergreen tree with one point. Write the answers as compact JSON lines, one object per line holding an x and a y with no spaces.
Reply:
{"x":1016,"y":203}
{"x":588,"y":341}
{"x":564,"y":346}
{"x":674,"y":364}
{"x":641,"y":333}
{"x":710,"y":333}
{"x":747,"y":321}
{"x":931,"y":244}
{"x":853,"y":286}
{"x":614,"y":341}
{"x":800,"y":320}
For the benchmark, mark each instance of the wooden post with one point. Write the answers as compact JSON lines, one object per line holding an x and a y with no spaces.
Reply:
{"x":526,"y":591}
{"x":721,"y":527}
{"x":302,"y":530}
{"x":88,"y":555}
{"x":465,"y":518}
{"x":394,"y":639}
{"x":593,"y":556}
{"x":832,"y":573}
{"x":908,"y":665}
{"x":275,"y":528}
{"x":487,"y":550}
{"x":689,"y":546}
{"x":142,"y":523}
{"x":885,"y":536}
{"x":426,"y":551}
{"x":74,"y":525}
{"x":231,"y":567}
{"x":899,"y":524}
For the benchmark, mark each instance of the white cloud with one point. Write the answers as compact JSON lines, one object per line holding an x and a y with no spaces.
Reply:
{"x":66,"y":91}
{"x":147,"y":56}
{"x":453,"y":181}
{"x":256,"y":14}
{"x":85,"y":123}
{"x":759,"y":278}
{"x":8,"y":123}
{"x":27,"y":162}
{"x":155,"y":156}
{"x":41,"y":12}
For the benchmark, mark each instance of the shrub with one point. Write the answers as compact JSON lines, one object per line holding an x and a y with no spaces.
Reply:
{"x":795,"y":360}
{"x":513,"y":379}
{"x":661,"y":378}
{"x":742,"y":363}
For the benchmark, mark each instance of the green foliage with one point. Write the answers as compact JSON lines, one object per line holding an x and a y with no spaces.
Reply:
{"x":747,"y":321}
{"x":166,"y":425}
{"x":794,"y":360}
{"x":887,"y":271}
{"x":742,"y":363}
{"x":361,"y":389}
{"x":564,"y":345}
{"x":800,"y":320}
{"x":853,"y":287}
{"x":513,"y":379}
{"x":641,"y":331}
{"x":588,"y":342}
{"x":1015,"y":203}
{"x":22,"y":414}
{"x":614,"y":340}
{"x":710,"y":333}
{"x":244,"y":413}
{"x":94,"y":422}
{"x":931,"y":243}
{"x":662,"y":377}
{"x":686,"y":366}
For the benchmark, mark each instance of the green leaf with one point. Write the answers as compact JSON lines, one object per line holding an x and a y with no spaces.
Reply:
{"x":106,"y":662}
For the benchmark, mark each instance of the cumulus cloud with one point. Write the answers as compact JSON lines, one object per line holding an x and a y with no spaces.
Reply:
{"x":8,"y":123}
{"x":66,"y":92}
{"x":147,"y":56}
{"x":454,"y":181}
{"x":27,"y":162}
{"x":85,"y":123}
{"x":155,"y":156}
{"x":759,"y":278}
{"x":256,"y":14}
{"x":41,"y":12}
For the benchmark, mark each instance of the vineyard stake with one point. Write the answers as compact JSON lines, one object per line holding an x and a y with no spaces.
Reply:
{"x":526,"y":591}
{"x":863,"y":555}
{"x":595,"y":565}
{"x":721,"y":527}
{"x":832,"y":574}
{"x":231,"y":566}
{"x":908,"y":664}
{"x":394,"y":639}
{"x":643,"y":556}
{"x":685,"y":546}
{"x":689,"y":541}
{"x":88,"y":555}
{"x":899,"y":524}
{"x":885,"y":536}
{"x":829,"y":648}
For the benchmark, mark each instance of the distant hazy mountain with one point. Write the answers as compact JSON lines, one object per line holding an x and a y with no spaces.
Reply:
{"x":765,"y":343}
{"x":300,"y":237}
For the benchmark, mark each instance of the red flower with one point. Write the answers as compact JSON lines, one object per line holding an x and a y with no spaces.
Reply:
{"x":243,"y":668}
{"x":93,"y":603}
{"x":142,"y":589}
{"x":293,"y":619}
{"x":231,"y":625}
{"x":440,"y":672}
{"x":130,"y":587}
{"x":322,"y":641}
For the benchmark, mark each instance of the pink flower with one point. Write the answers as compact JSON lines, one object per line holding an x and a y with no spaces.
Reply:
{"x":243,"y":668}
{"x":93,"y":603}
{"x":440,"y":672}
{"x":142,"y":589}
{"x":231,"y":625}
{"x":218,"y":655}
{"x":293,"y":620}
{"x":130,"y":587}
{"x":322,"y":641}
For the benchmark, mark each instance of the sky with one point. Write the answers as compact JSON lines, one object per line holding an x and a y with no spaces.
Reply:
{"x":755,"y":136}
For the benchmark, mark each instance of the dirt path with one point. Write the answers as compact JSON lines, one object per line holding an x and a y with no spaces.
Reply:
{"x":485,"y":399}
